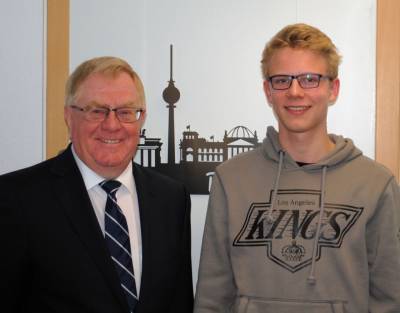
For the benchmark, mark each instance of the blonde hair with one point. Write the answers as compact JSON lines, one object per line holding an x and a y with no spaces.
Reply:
{"x":302,"y":36}
{"x":109,"y":66}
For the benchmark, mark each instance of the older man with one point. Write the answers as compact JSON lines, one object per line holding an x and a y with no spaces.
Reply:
{"x":89,"y":230}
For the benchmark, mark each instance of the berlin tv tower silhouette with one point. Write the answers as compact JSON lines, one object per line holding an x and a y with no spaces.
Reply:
{"x":171,"y":95}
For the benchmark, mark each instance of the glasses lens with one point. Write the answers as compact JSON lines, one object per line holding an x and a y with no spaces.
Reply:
{"x":96,"y":114}
{"x":281,"y":82}
{"x":128,"y":115}
{"x":309,"y":80}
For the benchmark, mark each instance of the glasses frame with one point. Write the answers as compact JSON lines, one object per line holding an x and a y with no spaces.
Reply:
{"x":108,"y":110}
{"x":292,"y":77}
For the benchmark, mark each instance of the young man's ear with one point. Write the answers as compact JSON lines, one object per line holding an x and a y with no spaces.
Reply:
{"x":335,"y":87}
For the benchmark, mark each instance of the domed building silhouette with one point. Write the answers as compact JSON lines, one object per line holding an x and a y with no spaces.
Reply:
{"x":241,"y":132}
{"x":237,"y":140}
{"x":240,"y":139}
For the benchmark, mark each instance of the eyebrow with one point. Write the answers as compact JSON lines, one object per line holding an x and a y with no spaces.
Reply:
{"x":125,"y":105}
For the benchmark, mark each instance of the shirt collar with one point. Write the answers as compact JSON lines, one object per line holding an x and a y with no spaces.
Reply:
{"x":92,"y":179}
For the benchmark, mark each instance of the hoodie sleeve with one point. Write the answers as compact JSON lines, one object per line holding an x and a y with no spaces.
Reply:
{"x":216,"y":289}
{"x":384,"y":252}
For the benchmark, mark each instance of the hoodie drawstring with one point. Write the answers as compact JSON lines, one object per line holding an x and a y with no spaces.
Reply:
{"x":276,"y":186}
{"x":311,"y":278}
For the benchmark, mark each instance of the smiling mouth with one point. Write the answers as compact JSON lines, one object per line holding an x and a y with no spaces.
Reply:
{"x":110,"y":141}
{"x":297,"y":108}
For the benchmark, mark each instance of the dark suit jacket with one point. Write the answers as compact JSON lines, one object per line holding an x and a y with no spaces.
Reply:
{"x":53,"y":253}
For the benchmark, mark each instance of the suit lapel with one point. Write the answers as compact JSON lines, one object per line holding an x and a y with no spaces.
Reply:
{"x":73,"y":196}
{"x":147,"y":200}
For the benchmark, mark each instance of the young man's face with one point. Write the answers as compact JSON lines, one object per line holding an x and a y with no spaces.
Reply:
{"x":297,"y":109}
{"x":106,"y":146}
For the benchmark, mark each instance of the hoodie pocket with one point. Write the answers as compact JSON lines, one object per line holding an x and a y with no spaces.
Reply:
{"x":261,"y":305}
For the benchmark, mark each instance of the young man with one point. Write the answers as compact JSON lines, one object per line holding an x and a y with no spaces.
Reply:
{"x":305,"y":223}
{"x":89,"y":230}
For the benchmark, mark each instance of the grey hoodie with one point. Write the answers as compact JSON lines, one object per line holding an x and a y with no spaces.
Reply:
{"x":319,"y":238}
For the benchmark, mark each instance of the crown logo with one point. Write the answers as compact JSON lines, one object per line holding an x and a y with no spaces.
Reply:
{"x":293,"y":252}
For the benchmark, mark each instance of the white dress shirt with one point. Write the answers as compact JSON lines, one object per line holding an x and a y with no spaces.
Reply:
{"x":128,"y":202}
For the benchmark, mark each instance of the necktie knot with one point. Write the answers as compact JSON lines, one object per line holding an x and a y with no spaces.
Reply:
{"x":110,"y":186}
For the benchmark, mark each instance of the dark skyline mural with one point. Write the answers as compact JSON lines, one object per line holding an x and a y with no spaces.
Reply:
{"x":198,"y":156}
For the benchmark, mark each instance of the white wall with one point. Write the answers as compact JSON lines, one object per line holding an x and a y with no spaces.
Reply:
{"x":21,"y":83}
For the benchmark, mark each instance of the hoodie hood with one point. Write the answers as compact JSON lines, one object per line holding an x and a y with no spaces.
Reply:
{"x":344,"y":152}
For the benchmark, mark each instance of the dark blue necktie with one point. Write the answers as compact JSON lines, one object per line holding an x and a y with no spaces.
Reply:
{"x":117,"y":238}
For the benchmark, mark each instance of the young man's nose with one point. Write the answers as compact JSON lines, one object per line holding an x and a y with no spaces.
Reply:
{"x":295,"y":89}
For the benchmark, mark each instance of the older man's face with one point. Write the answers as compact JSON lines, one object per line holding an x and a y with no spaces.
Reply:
{"x":106,"y":147}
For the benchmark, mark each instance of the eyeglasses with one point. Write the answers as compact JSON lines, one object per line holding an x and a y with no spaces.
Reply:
{"x":305,"y":80}
{"x":99,"y":114}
